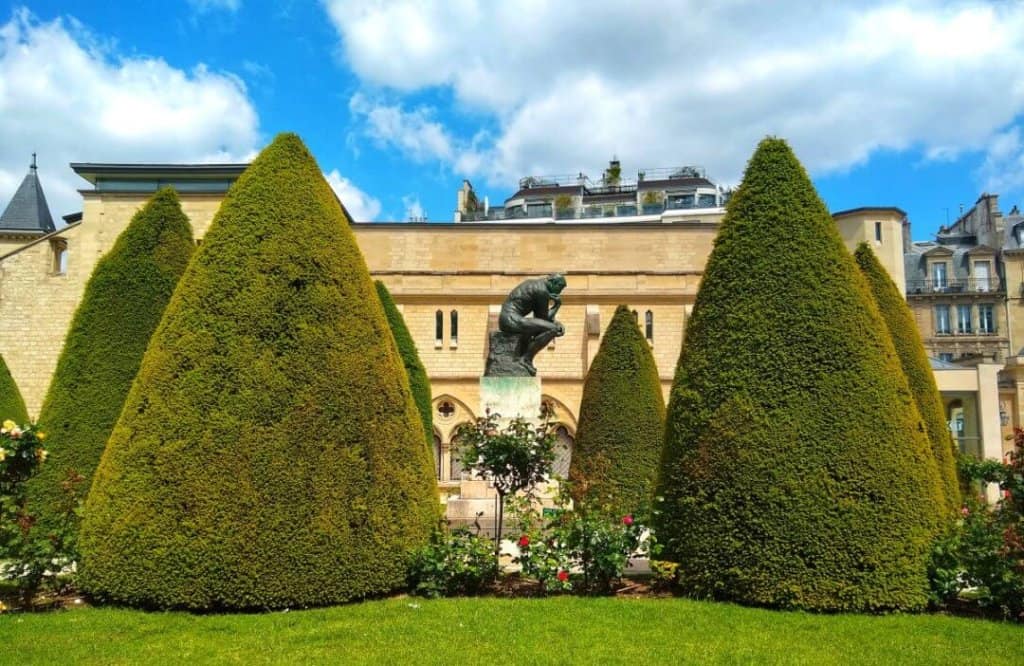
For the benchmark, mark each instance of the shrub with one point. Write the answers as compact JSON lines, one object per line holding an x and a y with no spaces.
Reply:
{"x":583,"y":552}
{"x":981,"y":556}
{"x":418,"y":380}
{"x":899,"y":322}
{"x":794,"y":472}
{"x":12,"y":406}
{"x":32,"y":555}
{"x":622,"y":421}
{"x":514,"y":457}
{"x":269,"y":453}
{"x":121,"y":307}
{"x":457,"y":563}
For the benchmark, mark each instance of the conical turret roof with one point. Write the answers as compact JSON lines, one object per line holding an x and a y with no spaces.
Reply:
{"x":27,"y":212}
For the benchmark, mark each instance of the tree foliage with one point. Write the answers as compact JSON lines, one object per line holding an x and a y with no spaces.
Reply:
{"x":12,"y":406}
{"x":796,"y":471}
{"x":899,"y":321}
{"x":121,"y":307}
{"x":622,"y":421}
{"x":418,"y":380}
{"x":269,"y":453}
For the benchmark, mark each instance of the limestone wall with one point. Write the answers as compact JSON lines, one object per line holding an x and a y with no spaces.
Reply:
{"x":468,"y":268}
{"x":36,"y":306}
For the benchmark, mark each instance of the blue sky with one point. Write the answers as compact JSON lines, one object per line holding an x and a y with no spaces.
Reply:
{"x":916,"y":105}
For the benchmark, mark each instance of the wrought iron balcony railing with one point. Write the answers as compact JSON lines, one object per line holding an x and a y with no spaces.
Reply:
{"x":955,"y":286}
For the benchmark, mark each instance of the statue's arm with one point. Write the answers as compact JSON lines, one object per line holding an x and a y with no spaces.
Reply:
{"x":557,"y":300}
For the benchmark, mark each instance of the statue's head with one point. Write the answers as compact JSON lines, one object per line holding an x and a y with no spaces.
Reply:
{"x":556,"y":283}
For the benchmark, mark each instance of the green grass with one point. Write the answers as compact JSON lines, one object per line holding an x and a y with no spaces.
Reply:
{"x":455,"y":631}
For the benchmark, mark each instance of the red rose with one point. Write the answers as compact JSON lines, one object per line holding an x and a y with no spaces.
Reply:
{"x":563,"y":576}
{"x":627,"y":520}
{"x":524,"y":541}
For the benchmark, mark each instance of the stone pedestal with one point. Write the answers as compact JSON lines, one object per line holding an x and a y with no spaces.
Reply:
{"x":511,"y":397}
{"x":504,"y":356}
{"x":508,"y":397}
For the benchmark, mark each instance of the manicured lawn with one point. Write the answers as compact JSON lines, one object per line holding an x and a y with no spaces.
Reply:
{"x":497,"y":631}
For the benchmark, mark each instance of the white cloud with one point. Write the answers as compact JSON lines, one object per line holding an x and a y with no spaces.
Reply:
{"x":70,"y":99}
{"x":1003,"y":168}
{"x":569,"y":84}
{"x":413,"y":132}
{"x":361,"y":206}
{"x":413,"y":209}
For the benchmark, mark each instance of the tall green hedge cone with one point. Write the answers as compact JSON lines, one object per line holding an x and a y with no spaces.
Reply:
{"x":622,"y":422}
{"x":418,"y":380}
{"x":900,"y":322}
{"x":269,"y":453}
{"x":12,"y":406}
{"x":796,"y":471}
{"x":122,"y":305}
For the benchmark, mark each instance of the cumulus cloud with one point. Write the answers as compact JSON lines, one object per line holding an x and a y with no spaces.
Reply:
{"x":413,"y":132}
{"x":66,"y":96}
{"x":663,"y":84}
{"x":360,"y":205}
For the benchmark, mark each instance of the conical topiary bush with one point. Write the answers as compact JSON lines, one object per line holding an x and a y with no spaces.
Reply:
{"x":418,"y":380}
{"x":12,"y":406}
{"x":899,"y":321}
{"x":269,"y":453}
{"x":121,"y":307}
{"x":795,"y":472}
{"x":622,"y":422}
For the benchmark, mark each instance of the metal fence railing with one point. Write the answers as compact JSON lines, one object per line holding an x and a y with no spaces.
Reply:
{"x":955,"y":286}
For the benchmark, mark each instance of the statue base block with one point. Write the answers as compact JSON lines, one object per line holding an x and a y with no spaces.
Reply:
{"x":503,"y":357}
{"x":511,"y":397}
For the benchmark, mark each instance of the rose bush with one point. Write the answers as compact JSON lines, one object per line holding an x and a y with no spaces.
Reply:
{"x":34,"y":557}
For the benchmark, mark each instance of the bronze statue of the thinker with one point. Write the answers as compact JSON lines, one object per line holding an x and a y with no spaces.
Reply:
{"x":526,"y":325}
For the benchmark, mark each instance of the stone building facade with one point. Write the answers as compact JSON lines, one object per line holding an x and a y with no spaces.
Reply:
{"x":449,"y":279}
{"x":965,"y":290}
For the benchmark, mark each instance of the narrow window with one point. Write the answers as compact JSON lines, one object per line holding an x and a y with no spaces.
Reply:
{"x":878,"y":231}
{"x":438,"y":328}
{"x":963,"y":319}
{"x":454,"y":460}
{"x":986,"y":318}
{"x":455,"y":329}
{"x":946,"y":357}
{"x":59,"y":247}
{"x":649,"y":326}
{"x":942,"y":320}
{"x":939,"y":276}
{"x":983,"y":275}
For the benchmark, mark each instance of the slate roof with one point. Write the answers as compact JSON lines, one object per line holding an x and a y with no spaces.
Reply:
{"x":1014,"y":236}
{"x":914,"y":264}
{"x":27,"y":211}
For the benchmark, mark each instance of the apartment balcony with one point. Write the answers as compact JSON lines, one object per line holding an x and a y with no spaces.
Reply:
{"x":969,"y":286}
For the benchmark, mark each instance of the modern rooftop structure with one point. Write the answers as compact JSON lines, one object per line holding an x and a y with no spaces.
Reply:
{"x":667,"y":194}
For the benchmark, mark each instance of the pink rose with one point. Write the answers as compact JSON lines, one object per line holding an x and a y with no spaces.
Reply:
{"x":627,"y":520}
